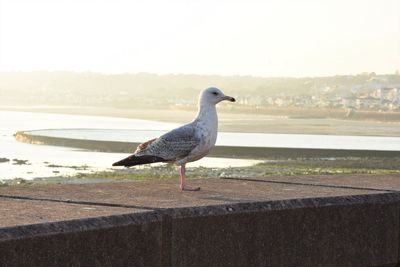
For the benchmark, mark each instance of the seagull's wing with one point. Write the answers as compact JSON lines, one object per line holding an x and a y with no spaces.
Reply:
{"x":173,"y":145}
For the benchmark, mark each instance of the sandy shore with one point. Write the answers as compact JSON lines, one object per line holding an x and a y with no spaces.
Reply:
{"x":236,"y":122}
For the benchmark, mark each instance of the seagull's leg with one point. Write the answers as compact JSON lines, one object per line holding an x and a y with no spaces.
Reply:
{"x":184,"y":185}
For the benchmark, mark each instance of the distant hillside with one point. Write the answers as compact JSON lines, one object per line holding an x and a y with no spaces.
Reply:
{"x":143,"y":89}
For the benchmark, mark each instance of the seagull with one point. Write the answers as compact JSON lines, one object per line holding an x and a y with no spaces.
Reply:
{"x":184,"y":144}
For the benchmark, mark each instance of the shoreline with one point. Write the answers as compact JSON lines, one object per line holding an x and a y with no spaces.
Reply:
{"x":217,"y":151}
{"x":276,"y":163}
{"x":328,"y":168}
{"x":233,"y":122}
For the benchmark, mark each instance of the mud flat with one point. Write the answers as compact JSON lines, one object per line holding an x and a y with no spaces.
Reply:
{"x":218,"y":151}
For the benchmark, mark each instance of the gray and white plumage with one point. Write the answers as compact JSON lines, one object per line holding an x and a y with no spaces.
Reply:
{"x":187,"y":143}
{"x":174,"y":145}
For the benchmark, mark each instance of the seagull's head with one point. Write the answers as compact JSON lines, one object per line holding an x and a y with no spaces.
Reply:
{"x":213,"y":95}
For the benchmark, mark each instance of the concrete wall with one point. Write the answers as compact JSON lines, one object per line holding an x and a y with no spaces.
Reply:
{"x":358,"y":230}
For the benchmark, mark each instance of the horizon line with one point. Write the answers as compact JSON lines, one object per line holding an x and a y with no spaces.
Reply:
{"x":364,"y":73}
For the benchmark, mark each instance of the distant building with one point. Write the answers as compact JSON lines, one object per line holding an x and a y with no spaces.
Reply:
{"x":388,"y":93}
{"x":367,"y":103}
{"x":349,"y":102}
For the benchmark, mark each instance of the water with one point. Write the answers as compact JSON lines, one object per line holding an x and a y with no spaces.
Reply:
{"x":50,"y":161}
{"x":240,"y":139}
{"x":53,"y":161}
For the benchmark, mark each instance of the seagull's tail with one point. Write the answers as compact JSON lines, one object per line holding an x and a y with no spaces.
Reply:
{"x":138,"y":160}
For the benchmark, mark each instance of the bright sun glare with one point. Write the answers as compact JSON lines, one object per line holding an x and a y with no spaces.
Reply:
{"x":263,"y":38}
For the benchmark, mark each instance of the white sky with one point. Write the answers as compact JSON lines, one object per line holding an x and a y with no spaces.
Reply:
{"x":245,"y":37}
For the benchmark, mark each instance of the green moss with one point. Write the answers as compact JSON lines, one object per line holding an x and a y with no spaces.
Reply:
{"x":163,"y":172}
{"x":329,"y":166}
{"x":15,"y":181}
{"x":118,"y":175}
{"x":303,"y":166}
{"x":268,"y":168}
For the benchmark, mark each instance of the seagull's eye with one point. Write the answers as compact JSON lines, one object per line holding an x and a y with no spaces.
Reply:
{"x":215,"y":93}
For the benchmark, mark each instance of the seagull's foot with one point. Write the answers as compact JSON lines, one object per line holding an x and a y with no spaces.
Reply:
{"x":186,"y":187}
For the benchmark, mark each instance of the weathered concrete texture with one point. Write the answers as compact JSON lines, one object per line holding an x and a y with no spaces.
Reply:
{"x":359,"y":181}
{"x":360,"y":235}
{"x":166,"y":194}
{"x":24,"y":212}
{"x":126,"y":244}
{"x":243,"y":222}
{"x":43,"y":233}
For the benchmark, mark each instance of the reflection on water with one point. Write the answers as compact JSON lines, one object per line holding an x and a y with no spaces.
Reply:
{"x":49,"y":161}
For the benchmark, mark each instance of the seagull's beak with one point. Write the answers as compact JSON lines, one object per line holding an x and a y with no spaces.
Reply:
{"x":229,"y":98}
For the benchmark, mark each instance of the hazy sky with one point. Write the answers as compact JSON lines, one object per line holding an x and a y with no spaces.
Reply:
{"x":246,"y":37}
